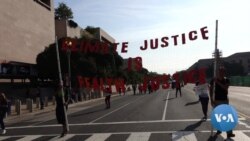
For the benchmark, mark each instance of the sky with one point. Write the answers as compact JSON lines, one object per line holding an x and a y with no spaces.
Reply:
{"x":139,"y":20}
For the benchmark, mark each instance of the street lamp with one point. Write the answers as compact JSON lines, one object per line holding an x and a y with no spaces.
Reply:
{"x":69,"y":45}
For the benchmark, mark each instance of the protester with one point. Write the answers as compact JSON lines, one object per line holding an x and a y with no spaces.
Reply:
{"x":220,"y":93}
{"x":134,"y":88}
{"x":120,"y":90}
{"x":3,"y":111}
{"x":178,"y":88}
{"x":60,"y":110}
{"x":107,"y":93}
{"x":140,"y":87}
{"x":149,"y":87}
{"x":203,"y":98}
{"x":41,"y":98}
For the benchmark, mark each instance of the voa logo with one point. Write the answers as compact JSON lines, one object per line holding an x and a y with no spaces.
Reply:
{"x":224,"y":117}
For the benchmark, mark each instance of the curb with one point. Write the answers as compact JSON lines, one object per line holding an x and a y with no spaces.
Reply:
{"x":26,"y":116}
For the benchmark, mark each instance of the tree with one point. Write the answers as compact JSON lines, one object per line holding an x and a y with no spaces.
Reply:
{"x":63,"y":12}
{"x":232,"y":69}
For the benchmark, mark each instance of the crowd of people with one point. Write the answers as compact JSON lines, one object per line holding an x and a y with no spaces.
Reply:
{"x":217,"y":93}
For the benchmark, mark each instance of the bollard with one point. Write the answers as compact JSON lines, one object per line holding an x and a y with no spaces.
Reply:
{"x":37,"y":102}
{"x":46,"y":101}
{"x":54,"y":100}
{"x":76,"y":97}
{"x":9,"y":107}
{"x":18,"y":107}
{"x":27,"y":103}
{"x":30,"y":105}
{"x":80,"y":97}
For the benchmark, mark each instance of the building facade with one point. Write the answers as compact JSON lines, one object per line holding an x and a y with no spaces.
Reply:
{"x":27,"y":27}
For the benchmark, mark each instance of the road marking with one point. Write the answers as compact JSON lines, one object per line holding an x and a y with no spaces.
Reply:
{"x":183,"y":136}
{"x":242,"y":123}
{"x":165,"y":108}
{"x":29,"y":138}
{"x":239,"y":136}
{"x":113,"y":111}
{"x":66,"y":137}
{"x":98,"y":137}
{"x":143,"y":136}
{"x":243,"y":115}
{"x":113,"y":123}
{"x":238,"y":133}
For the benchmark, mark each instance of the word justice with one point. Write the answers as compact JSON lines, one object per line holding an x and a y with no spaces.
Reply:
{"x":176,"y":39}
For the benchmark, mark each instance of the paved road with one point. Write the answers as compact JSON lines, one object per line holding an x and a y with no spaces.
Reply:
{"x":159,"y":116}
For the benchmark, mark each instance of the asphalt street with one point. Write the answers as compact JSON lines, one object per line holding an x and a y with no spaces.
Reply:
{"x":158,"y":116}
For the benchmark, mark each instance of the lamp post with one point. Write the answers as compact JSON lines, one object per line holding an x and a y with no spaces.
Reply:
{"x":69,"y":45}
{"x":61,"y":85}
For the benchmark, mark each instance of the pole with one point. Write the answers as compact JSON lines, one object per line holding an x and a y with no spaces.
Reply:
{"x":61,"y":85}
{"x":216,"y":59}
{"x":69,"y":73}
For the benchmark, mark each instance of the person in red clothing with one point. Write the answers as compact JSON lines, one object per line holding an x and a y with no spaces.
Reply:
{"x":107,"y":92}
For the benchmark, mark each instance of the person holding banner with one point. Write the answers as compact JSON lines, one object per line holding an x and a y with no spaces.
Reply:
{"x":221,"y":93}
{"x":60,"y":110}
{"x":202,"y":91}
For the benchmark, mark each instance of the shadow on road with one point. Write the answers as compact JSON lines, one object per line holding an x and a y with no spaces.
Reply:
{"x":194,"y":126}
{"x":189,"y":129}
{"x":192,"y":103}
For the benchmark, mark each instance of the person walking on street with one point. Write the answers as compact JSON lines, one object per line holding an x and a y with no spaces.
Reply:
{"x":134,"y":88}
{"x":149,"y":87}
{"x":3,"y":111}
{"x":39,"y":94}
{"x":60,"y":112}
{"x":107,"y":96}
{"x":220,"y":94}
{"x":203,"y":98}
{"x":178,"y":88}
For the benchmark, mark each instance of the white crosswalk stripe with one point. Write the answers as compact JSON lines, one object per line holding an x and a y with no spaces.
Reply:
{"x":98,"y":137}
{"x":184,"y":136}
{"x":66,"y":137}
{"x":139,"y":136}
{"x":29,"y":138}
{"x":242,"y":135}
{"x":239,"y":136}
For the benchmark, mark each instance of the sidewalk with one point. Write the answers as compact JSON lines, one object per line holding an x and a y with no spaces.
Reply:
{"x":26,"y":115}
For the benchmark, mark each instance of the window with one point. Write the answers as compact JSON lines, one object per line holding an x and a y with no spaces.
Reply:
{"x":44,"y":3}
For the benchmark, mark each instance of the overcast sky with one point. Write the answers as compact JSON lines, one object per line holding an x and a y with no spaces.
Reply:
{"x":138,"y":20}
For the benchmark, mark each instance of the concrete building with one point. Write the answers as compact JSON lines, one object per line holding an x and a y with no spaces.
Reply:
{"x":242,"y":58}
{"x":68,"y":28}
{"x":27,"y":27}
